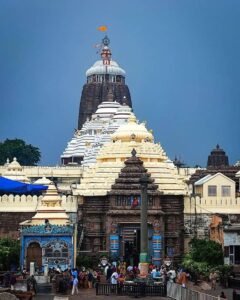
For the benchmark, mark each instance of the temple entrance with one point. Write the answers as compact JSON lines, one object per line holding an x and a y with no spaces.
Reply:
{"x":34,"y":254}
{"x":130,"y":245}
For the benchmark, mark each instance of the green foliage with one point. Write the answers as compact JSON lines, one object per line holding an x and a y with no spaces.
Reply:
{"x":84,"y":261}
{"x":204,"y":255}
{"x":9,"y":253}
{"x":27,"y":155}
{"x":206,"y":251}
{"x":224,"y":272}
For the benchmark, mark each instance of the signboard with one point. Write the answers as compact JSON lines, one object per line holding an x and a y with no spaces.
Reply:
{"x":157,"y":242}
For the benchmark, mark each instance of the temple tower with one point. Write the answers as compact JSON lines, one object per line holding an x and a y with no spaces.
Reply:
{"x":217,"y":158}
{"x":105,"y":82}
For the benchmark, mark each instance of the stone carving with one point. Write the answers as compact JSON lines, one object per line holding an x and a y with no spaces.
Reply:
{"x":114,"y":227}
{"x":42,"y":229}
{"x":156,"y":226}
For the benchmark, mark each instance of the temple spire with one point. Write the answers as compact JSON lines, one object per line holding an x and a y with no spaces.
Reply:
{"x":106,"y":52}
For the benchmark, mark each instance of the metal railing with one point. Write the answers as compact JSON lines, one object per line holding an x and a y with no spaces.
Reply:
{"x":134,"y":289}
{"x":176,"y":291}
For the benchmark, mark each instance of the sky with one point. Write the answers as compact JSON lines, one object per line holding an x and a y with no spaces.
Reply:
{"x":182,"y":60}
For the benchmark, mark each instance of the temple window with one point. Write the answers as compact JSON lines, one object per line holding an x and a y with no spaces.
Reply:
{"x":128,"y":200}
{"x":57,"y":253}
{"x":56,"y":250}
{"x":226,"y":190}
{"x":212,"y":190}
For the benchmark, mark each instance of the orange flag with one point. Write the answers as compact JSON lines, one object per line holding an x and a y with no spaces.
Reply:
{"x":102,"y":28}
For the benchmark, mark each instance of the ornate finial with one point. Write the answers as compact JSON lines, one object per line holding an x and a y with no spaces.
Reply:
{"x":217,"y":146}
{"x":14,"y":159}
{"x":106,"y":40}
{"x":106,"y":53}
{"x":134,"y":152}
{"x":7,"y":162}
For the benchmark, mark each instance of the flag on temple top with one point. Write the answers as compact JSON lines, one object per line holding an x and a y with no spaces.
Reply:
{"x":102,"y":28}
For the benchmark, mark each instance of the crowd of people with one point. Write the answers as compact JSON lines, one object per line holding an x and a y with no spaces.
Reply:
{"x":71,"y":280}
{"x":74,"y":279}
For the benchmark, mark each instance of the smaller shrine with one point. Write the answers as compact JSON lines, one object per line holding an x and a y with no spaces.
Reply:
{"x":48,"y":238}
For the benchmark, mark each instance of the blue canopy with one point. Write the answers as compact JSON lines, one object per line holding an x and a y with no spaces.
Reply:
{"x":17,"y":187}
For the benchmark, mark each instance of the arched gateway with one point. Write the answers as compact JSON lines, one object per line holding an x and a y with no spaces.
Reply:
{"x":34,"y":254}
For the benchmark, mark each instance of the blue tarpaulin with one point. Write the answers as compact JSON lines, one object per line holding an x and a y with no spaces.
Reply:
{"x":17,"y":187}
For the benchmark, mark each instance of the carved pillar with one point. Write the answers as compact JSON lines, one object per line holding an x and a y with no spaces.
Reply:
{"x":114,"y":242}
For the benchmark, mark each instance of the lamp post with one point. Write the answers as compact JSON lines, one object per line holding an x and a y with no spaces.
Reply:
{"x":143,"y":266}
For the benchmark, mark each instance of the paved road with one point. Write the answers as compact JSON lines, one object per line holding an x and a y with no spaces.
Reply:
{"x":87,"y":294}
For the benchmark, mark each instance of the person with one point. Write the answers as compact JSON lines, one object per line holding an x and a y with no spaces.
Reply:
{"x":129,"y":268}
{"x":153,"y":272}
{"x":182,"y":278}
{"x":164,"y":275}
{"x":213,"y":279}
{"x":109,"y":274}
{"x":172,"y":275}
{"x":32,"y":284}
{"x":95,"y":278}
{"x":90,"y":279}
{"x":74,"y":273}
{"x":13,"y":280}
{"x":75,"y":286}
{"x":24,"y":273}
{"x":114,"y":277}
{"x":222,"y":295}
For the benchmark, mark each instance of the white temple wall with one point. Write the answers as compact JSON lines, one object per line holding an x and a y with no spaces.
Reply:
{"x":40,"y":171}
{"x":23,"y":203}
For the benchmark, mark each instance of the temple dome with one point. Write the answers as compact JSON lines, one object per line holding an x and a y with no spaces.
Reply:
{"x":132,"y":131}
{"x":43,"y":181}
{"x":99,"y":68}
{"x":100,"y":176}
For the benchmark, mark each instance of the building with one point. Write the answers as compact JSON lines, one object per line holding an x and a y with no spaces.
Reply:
{"x":99,"y":183}
{"x":212,"y":191}
{"x":95,"y":132}
{"x":110,"y":187}
{"x":105,"y":82}
{"x":48,"y":237}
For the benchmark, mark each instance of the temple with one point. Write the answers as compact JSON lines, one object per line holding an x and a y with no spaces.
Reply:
{"x":105,"y":82}
{"x":86,"y":142}
{"x":112,"y":186}
{"x":97,"y":188}
{"x":48,"y":237}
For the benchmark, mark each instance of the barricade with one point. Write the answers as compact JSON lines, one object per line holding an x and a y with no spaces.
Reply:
{"x":176,"y":291}
{"x":134,"y":289}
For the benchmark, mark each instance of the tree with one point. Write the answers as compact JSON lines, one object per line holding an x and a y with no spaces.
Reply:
{"x":9,"y":253}
{"x":203,"y":256}
{"x":27,"y":155}
{"x":206,"y":251}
